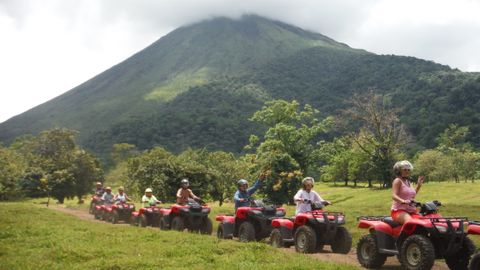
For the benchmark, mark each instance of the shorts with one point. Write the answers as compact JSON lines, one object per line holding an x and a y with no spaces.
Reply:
{"x":396,"y":213}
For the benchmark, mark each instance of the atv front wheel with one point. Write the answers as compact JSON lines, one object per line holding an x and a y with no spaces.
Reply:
{"x":92,"y":208}
{"x":417,"y":253}
{"x":178,"y":224}
{"x":367,"y":252}
{"x":163,"y":224}
{"x":114,"y":217}
{"x":459,"y":260}
{"x":276,"y":239}
{"x":142,"y":221}
{"x":305,"y":240}
{"x":475,"y":262}
{"x":342,"y":243}
{"x":206,"y":227}
{"x":246,"y":232}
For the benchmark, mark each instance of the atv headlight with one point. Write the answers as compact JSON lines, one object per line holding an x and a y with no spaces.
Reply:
{"x":320,"y":219}
{"x":120,"y":207}
{"x":441,"y":229}
{"x":257,"y":212}
{"x":280,"y":213}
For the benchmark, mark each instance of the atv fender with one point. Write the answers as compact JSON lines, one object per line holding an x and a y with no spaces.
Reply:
{"x":280,"y":222}
{"x":165,"y":211}
{"x":474,"y":228}
{"x":411,"y":226}
{"x":302,"y":219}
{"x":225,"y":219}
{"x":135,"y":214}
{"x":375,"y":225}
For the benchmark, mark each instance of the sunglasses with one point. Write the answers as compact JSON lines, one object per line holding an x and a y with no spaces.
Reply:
{"x":406,"y":170}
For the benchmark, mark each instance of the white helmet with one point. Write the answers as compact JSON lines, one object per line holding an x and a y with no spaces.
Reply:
{"x":148,"y":190}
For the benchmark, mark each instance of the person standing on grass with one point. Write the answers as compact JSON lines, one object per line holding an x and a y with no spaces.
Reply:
{"x":305,"y":196}
{"x":403,"y":193}
{"x":149,"y":199}
{"x":184,"y":193}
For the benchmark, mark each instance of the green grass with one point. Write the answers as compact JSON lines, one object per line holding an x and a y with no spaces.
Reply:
{"x":34,"y":237}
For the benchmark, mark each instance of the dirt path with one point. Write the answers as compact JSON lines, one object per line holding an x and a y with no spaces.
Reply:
{"x":350,"y":258}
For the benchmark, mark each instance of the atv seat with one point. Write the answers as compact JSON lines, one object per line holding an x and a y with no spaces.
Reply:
{"x":391,"y":222}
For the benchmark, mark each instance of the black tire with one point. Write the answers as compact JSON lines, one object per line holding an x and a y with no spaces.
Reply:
{"x":206,"y":227}
{"x":305,"y":240}
{"x":97,"y":214}
{"x":163,"y":225}
{"x":220,"y":234}
{"x":91,"y":210}
{"x":342,"y":243}
{"x":134,"y":221}
{"x":475,"y":262}
{"x":142,"y":221}
{"x":114,"y":217}
{"x":276,"y":239}
{"x":367,"y":252}
{"x":459,"y":260}
{"x":246,"y":232}
{"x":417,"y":253}
{"x":178,"y":224}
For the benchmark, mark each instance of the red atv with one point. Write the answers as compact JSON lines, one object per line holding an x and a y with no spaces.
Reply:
{"x":310,"y":231}
{"x":192,"y":216}
{"x":99,"y":210}
{"x":96,"y":200}
{"x":474,"y":228}
{"x":119,"y":211}
{"x":249,"y":223}
{"x":418,"y":242}
{"x":146,"y":216}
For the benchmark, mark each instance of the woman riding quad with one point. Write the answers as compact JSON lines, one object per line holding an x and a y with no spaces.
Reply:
{"x":243,"y":194}
{"x":148,"y":199}
{"x":121,"y":197}
{"x":403,"y":193}
{"x":305,"y":196}
{"x":184,"y":193}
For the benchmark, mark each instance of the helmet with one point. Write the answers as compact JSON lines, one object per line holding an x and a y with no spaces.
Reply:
{"x":184,"y":182}
{"x":306,"y":180}
{"x":148,"y":190}
{"x":108,"y":188}
{"x":120,"y":188}
{"x":242,"y":182}
{"x":98,"y":183}
{"x":404,"y":164}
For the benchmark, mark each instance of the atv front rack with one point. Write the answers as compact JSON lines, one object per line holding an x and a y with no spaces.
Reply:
{"x":372,"y":218}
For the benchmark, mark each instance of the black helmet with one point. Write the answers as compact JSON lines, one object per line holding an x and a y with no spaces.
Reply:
{"x":242,"y":182}
{"x":184,"y":182}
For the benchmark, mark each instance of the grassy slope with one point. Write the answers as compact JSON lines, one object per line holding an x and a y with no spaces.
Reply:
{"x":33,"y":237}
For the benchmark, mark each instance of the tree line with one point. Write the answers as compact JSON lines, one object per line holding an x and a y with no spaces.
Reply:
{"x":297,"y":141}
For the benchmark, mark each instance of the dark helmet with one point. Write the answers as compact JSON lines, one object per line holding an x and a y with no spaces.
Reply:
{"x":242,"y":182}
{"x":184,"y":182}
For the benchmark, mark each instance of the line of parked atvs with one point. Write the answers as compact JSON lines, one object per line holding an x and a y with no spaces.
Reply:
{"x":417,"y":243}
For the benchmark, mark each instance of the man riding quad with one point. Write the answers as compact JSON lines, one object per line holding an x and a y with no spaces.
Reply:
{"x":96,"y":198}
{"x":149,"y":199}
{"x":107,"y":197}
{"x":184,"y":193}
{"x":243,"y":194}
{"x":121,"y":197}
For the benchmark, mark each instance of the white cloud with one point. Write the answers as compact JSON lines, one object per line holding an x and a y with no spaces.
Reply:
{"x":51,"y":46}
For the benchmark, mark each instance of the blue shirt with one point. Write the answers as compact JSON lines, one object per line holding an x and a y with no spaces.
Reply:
{"x":245,"y":195}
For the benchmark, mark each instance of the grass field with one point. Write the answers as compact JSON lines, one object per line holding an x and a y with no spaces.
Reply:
{"x":33,"y":237}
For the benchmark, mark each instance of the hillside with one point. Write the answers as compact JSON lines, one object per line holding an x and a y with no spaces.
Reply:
{"x":198,"y":85}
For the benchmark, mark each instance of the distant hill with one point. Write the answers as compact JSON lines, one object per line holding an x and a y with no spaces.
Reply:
{"x":198,"y":85}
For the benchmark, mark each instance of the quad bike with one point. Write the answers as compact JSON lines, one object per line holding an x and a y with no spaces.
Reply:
{"x":474,"y":228}
{"x":146,"y":216}
{"x":310,"y":231}
{"x":418,"y":242}
{"x":249,"y":223}
{"x":119,"y":211}
{"x":94,"y":202}
{"x":192,"y":216}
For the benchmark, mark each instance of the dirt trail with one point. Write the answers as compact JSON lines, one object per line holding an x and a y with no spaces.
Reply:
{"x":350,"y":258}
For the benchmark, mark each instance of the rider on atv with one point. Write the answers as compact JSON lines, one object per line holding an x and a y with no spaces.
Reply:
{"x":99,"y":189}
{"x":244,"y":193}
{"x":121,"y":197}
{"x":148,"y":199}
{"x":306,"y":196}
{"x":403,"y":193}
{"x":107,"y":197}
{"x":184,"y":193}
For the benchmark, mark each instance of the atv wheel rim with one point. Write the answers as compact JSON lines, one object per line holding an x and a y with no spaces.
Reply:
{"x":413,"y":254}
{"x":301,"y":241}
{"x":365,"y":251}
